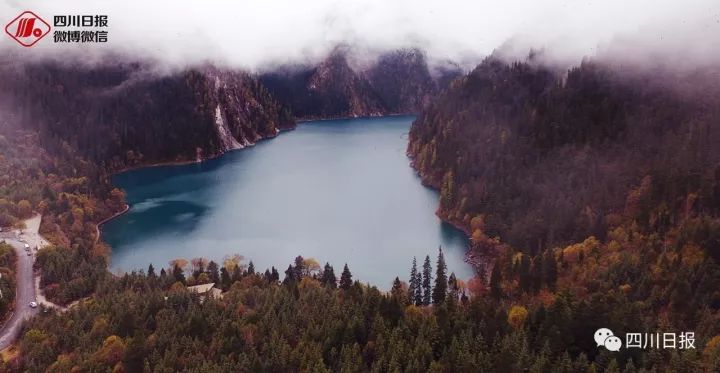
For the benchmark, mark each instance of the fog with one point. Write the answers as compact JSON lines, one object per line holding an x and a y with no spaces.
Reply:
{"x":254,"y":34}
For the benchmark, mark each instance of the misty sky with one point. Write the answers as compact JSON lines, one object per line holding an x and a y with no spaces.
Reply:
{"x":255,"y":33}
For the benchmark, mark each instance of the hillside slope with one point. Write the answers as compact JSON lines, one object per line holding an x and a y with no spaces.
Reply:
{"x":543,"y":158}
{"x":398,"y":82}
{"x":122,"y":114}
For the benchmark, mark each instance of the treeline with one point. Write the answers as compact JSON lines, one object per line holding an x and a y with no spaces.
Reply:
{"x":315,"y":320}
{"x":596,"y":191}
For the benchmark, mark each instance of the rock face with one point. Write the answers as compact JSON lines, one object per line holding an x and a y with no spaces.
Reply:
{"x":123,"y":115}
{"x":542,"y":158}
{"x":398,"y":82}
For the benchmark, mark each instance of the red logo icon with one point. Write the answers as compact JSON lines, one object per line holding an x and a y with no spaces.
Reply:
{"x":27,"y":28}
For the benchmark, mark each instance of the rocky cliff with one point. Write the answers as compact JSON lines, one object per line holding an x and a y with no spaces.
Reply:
{"x":398,"y":82}
{"x":126,"y":114}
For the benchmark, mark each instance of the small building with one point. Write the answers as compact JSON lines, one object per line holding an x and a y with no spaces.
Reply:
{"x":206,"y":290}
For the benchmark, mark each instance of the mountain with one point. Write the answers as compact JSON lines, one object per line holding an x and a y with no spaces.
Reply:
{"x":398,"y":82}
{"x":540,"y":157}
{"x":124,"y":114}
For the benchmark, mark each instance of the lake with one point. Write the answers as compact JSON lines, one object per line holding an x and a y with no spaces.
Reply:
{"x":339,"y":191}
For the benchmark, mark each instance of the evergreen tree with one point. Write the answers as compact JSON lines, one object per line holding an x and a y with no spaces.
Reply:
{"x":453,"y":287}
{"x":178,"y":274}
{"x":524,"y":279}
{"x":299,"y":267}
{"x":441,"y":281}
{"x":427,"y":281}
{"x":536,"y":273}
{"x":328,"y":276}
{"x":345,"y":278}
{"x":163,"y":274}
{"x":275,"y":275}
{"x":496,"y":282}
{"x":237,"y":274}
{"x":396,"y":290}
{"x":550,"y":270}
{"x":225,"y":280}
{"x":151,"y":271}
{"x":414,"y":284}
{"x":212,"y":270}
{"x":290,"y":276}
{"x":251,"y":268}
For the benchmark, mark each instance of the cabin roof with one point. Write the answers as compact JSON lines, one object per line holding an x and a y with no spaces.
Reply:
{"x":201,"y":289}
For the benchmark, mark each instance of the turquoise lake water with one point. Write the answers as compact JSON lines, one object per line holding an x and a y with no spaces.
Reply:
{"x":339,"y":191}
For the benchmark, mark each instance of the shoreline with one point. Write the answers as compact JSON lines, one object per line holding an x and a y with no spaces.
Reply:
{"x":185,"y":162}
{"x":371,"y":116}
{"x":115,"y":215}
{"x":470,"y":256}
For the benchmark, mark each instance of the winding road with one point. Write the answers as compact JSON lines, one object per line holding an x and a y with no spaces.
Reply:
{"x":25,"y":291}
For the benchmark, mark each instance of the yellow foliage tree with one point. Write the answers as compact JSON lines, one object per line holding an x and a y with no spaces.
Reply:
{"x":517,"y":316}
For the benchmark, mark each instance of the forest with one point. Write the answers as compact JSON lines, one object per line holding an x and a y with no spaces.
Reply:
{"x":315,"y":320}
{"x":126,"y":114}
{"x":595,"y":191}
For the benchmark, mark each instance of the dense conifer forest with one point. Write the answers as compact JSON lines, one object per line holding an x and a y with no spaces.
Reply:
{"x":595,"y":192}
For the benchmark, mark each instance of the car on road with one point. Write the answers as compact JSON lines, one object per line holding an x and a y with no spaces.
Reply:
{"x":33,"y":304}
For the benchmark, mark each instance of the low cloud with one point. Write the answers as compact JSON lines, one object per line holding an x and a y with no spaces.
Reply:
{"x":252,"y":34}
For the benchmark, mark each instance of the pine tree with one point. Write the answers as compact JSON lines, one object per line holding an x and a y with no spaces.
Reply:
{"x":453,"y":288}
{"x":536,"y":273}
{"x":225,"y":280}
{"x":524,"y":273}
{"x":418,"y":289}
{"x":396,"y":290}
{"x":496,"y":282}
{"x":441,"y":281}
{"x":426,"y":281}
{"x":178,"y":274}
{"x":151,"y":271}
{"x":237,"y":274}
{"x":290,"y":276}
{"x":345,"y":278}
{"x":299,"y":267}
{"x":163,"y":274}
{"x":550,"y":271}
{"x":328,"y":276}
{"x":212,"y":270}
{"x":414,"y":284}
{"x":275,"y":275}
{"x":251,"y":268}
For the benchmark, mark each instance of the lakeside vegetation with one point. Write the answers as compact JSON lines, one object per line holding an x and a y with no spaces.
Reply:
{"x":598,"y":197}
{"x":8,"y":258}
{"x":317,"y":321}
